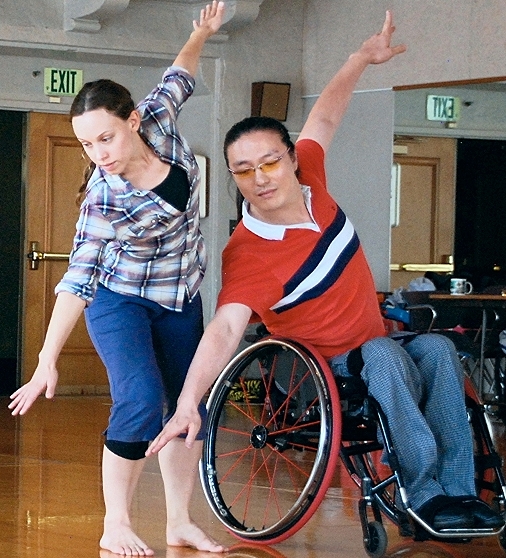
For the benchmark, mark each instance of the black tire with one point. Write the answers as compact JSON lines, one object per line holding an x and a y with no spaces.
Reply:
{"x":274,"y":426}
{"x":488,"y":475}
{"x":502,"y":539}
{"x":377,"y":541}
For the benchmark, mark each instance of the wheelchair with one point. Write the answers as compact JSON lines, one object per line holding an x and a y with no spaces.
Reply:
{"x":278,"y":421}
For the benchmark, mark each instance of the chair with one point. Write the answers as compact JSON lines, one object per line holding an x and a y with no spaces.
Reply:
{"x":292,"y":439}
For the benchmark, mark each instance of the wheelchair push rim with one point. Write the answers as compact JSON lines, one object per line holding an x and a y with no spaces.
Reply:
{"x":269,"y":456}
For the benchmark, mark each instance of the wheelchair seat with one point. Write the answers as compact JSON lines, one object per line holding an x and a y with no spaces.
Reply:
{"x":291,"y":441}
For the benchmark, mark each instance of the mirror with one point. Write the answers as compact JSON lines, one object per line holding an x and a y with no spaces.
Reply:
{"x":452,"y":194}
{"x":482,"y":110}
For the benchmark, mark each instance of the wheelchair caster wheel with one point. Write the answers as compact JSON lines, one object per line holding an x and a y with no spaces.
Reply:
{"x":502,"y":539}
{"x":376,"y":542}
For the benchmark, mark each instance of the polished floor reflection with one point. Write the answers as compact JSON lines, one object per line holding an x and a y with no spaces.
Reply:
{"x":51,"y":502}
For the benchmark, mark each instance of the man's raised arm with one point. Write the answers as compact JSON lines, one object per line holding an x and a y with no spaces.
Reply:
{"x":329,"y":109}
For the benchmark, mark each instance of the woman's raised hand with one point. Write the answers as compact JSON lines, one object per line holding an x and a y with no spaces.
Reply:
{"x":211,"y":18}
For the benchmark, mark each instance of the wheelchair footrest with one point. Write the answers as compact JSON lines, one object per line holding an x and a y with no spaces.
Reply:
{"x":424,"y":531}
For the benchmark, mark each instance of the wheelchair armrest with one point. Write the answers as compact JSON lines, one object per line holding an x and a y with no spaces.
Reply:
{"x":421,"y":309}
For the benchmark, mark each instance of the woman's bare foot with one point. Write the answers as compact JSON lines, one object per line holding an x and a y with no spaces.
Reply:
{"x":120,"y":539}
{"x":191,"y":535}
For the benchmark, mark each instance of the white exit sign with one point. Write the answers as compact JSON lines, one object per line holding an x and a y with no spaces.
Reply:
{"x":60,"y":82}
{"x":443,"y":108}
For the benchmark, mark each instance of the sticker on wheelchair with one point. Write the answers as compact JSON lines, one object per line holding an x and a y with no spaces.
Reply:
{"x":252,"y":391}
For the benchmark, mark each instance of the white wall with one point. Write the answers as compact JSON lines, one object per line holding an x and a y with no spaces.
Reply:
{"x":134,"y":49}
{"x":302,"y":42}
{"x":359,"y":171}
{"x":447,"y":40}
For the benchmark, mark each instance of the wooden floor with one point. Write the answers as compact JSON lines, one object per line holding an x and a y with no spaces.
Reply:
{"x":51,"y":501}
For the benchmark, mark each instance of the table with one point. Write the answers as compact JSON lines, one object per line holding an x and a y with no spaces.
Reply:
{"x":485,"y":302}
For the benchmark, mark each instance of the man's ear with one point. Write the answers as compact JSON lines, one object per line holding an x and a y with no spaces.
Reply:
{"x":295,"y":161}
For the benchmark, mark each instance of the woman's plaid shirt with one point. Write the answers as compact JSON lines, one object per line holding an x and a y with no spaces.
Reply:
{"x":132,"y":241}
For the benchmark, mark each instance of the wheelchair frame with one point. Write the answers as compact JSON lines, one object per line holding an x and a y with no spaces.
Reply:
{"x":288,"y":435}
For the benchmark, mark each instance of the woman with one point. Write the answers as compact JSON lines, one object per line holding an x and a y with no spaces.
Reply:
{"x":136,"y":265}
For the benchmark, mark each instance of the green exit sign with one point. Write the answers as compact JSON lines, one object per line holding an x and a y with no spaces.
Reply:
{"x":59,"y":82}
{"x":443,"y":108}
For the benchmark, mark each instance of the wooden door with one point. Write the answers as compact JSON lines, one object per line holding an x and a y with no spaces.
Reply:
{"x":424,"y":237}
{"x":53,"y":175}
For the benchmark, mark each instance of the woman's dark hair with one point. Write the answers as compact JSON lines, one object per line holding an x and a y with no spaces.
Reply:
{"x":101,"y":94}
{"x":256,"y":124}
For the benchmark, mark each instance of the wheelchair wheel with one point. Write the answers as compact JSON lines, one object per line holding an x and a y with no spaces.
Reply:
{"x":377,"y":540}
{"x":274,"y":426}
{"x":489,"y":479}
{"x":502,"y":540}
{"x":362,"y":459}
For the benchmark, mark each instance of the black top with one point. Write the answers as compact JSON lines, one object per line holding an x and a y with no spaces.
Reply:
{"x":175,"y":188}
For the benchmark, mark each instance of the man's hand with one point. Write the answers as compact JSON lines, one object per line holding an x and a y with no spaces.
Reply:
{"x":183,"y":422}
{"x":377,"y":48}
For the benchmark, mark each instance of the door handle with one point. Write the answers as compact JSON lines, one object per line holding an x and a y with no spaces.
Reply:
{"x":36,"y":256}
{"x":438,"y":268}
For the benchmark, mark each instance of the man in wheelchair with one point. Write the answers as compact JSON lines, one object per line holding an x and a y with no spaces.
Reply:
{"x":296,"y":263}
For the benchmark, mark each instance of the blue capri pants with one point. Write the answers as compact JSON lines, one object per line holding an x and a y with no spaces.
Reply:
{"x":147,"y":350}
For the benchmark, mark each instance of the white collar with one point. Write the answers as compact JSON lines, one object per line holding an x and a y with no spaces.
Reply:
{"x":270,"y":231}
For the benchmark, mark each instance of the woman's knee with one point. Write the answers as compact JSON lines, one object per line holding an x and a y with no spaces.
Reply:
{"x":136,"y":419}
{"x":133,"y":451}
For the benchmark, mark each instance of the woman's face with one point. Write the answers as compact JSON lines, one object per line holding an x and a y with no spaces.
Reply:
{"x":272,"y":189}
{"x":108,"y":140}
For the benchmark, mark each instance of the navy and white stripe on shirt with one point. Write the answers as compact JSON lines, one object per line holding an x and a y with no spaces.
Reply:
{"x":324,"y":265}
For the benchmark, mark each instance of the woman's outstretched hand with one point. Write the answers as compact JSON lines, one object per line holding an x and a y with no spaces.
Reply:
{"x":44,"y":379}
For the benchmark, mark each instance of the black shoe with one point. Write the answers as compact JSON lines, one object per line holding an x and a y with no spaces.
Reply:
{"x":444,"y":512}
{"x":484,"y":516}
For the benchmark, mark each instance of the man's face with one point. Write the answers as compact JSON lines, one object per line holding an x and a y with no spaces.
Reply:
{"x":270,"y":186}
